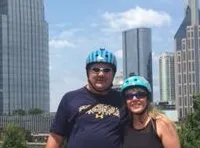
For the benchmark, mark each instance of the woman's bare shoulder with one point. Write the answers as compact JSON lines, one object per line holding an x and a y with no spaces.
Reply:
{"x":164,"y":125}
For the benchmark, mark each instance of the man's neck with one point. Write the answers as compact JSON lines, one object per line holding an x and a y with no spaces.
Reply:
{"x":94,"y":91}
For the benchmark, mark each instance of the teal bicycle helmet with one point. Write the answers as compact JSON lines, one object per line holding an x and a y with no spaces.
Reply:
{"x":135,"y":81}
{"x":102,"y":56}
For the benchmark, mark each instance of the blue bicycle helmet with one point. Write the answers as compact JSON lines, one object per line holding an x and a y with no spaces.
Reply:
{"x":102,"y":56}
{"x":135,"y":81}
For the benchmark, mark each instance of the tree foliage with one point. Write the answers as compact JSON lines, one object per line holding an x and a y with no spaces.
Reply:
{"x":14,"y":137}
{"x":19,"y":112}
{"x":189,"y":132}
{"x":35,"y":111}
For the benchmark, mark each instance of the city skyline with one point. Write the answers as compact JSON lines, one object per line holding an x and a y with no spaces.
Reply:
{"x":24,"y":54}
{"x":75,"y":28}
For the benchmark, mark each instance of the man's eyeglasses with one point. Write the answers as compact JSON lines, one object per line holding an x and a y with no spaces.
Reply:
{"x":138,"y":95}
{"x":97,"y":70}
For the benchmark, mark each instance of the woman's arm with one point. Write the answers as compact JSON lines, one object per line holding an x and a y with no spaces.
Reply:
{"x":167,"y":133}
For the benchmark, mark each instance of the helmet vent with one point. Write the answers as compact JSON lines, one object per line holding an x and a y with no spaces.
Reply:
{"x":102,"y":56}
{"x":102,"y":49}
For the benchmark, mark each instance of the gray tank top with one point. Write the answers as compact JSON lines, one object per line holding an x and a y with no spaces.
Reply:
{"x":143,"y":138}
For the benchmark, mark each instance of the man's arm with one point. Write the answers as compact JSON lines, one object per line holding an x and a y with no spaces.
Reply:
{"x":54,"y":141}
{"x":59,"y":126}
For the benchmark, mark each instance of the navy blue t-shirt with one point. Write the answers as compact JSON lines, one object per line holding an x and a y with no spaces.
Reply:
{"x":99,"y":127}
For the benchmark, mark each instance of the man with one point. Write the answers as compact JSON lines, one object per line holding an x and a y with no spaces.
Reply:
{"x":90,"y":117}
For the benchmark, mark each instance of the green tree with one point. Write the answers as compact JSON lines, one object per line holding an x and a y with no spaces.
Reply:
{"x":35,"y":111}
{"x":28,"y":135}
{"x":14,"y":137}
{"x":19,"y":112}
{"x":189,"y":132}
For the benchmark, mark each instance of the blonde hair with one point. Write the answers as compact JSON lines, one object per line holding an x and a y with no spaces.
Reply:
{"x":156,"y":114}
{"x":139,"y":89}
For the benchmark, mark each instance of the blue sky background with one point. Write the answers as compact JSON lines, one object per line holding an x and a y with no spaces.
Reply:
{"x":76,"y":27}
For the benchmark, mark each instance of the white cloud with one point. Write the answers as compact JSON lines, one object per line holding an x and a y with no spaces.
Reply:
{"x":58,"y":25}
{"x":64,"y":39}
{"x":94,"y":25}
{"x":59,"y":44}
{"x":118,"y":54}
{"x":137,"y":17}
{"x":69,"y":33}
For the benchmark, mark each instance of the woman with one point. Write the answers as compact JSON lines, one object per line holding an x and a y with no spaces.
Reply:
{"x":147,"y":128}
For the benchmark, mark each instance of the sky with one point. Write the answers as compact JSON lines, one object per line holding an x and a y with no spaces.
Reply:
{"x":77,"y":27}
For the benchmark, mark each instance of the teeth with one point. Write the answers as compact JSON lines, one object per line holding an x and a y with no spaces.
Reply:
{"x":135,"y":104}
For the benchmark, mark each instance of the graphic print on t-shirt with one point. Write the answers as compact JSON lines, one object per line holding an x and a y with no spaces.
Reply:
{"x":101,"y":110}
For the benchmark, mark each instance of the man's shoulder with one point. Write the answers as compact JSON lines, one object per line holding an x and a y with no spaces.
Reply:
{"x":115,"y":92}
{"x":115,"y":95}
{"x":73,"y":93}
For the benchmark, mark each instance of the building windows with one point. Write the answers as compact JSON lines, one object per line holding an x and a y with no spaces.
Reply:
{"x":183,"y":46}
{"x":188,"y":34}
{"x":189,"y":67}
{"x":180,"y":102}
{"x":192,"y":34}
{"x":181,"y":113}
{"x":179,"y":78}
{"x":184,"y":78}
{"x":179,"y":90}
{"x":192,"y":43}
{"x":179,"y":58}
{"x":179,"y":68}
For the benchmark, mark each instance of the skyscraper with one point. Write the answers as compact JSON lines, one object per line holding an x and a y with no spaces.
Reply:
{"x":24,"y":57}
{"x":137,"y":52}
{"x":167,"y":84}
{"x":187,"y":59}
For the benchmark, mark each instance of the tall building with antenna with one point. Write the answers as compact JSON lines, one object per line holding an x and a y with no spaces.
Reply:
{"x":187,"y":59}
{"x":24,"y":57}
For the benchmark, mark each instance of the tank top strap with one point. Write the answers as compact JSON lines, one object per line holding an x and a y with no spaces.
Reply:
{"x":153,"y":123}
{"x":154,"y":128}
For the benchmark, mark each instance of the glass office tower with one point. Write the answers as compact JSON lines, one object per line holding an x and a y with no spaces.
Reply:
{"x":166,"y":73}
{"x":24,"y":56}
{"x":137,"y":52}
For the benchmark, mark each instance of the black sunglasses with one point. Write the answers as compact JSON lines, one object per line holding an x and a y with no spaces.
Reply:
{"x":97,"y":70}
{"x":138,"y":95}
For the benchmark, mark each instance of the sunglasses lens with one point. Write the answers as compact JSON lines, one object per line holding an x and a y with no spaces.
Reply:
{"x":138,"y":95}
{"x":106,"y":70}
{"x":141,"y":94}
{"x":129,"y":96}
{"x":97,"y":70}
